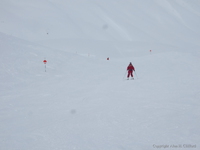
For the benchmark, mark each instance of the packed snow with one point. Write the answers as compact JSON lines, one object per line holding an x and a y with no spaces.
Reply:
{"x":79,"y":100}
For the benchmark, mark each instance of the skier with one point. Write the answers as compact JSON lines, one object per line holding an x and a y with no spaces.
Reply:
{"x":130,"y":70}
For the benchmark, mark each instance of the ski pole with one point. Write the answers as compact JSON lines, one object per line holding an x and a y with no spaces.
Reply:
{"x":136,"y":74}
{"x":124,"y":75}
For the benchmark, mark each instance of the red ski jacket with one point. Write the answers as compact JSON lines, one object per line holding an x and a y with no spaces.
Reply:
{"x":130,"y":68}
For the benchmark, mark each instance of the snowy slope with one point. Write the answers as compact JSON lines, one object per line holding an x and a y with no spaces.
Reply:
{"x":83,"y":101}
{"x":104,"y":24}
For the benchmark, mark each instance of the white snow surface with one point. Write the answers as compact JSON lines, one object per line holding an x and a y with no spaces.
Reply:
{"x":83,"y":101}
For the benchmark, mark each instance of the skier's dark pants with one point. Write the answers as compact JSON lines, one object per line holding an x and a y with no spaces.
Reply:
{"x":130,"y":72}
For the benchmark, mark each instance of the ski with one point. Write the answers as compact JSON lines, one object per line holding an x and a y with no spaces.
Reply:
{"x":130,"y":79}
